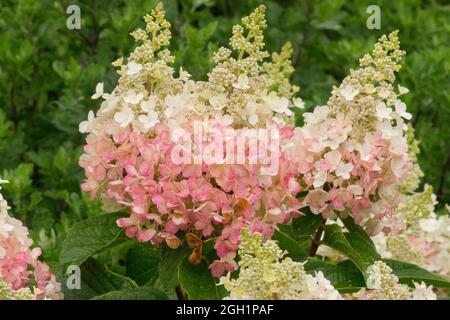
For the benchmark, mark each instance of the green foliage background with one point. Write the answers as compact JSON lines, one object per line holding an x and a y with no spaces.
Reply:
{"x":48,"y":73}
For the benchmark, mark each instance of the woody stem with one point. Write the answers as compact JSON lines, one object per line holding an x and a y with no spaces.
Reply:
{"x":316,"y":241}
{"x":180,"y":293}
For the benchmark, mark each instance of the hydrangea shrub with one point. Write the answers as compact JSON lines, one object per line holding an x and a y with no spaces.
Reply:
{"x":339,"y":218}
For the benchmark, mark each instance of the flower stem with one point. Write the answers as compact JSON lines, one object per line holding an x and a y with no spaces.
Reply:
{"x":180,"y":293}
{"x":316,"y":241}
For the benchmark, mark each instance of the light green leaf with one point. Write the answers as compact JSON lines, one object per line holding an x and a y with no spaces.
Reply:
{"x":89,"y":237}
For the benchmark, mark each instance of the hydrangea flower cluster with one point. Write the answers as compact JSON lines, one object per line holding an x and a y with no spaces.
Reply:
{"x":426,"y":242}
{"x":354,"y":150}
{"x":382,"y":284}
{"x":19,"y":264}
{"x":131,"y":140}
{"x":350,"y":157}
{"x":265,"y":273}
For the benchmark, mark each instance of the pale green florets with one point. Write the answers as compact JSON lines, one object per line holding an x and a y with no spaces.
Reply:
{"x":401,"y":249}
{"x":412,"y":180}
{"x":369,"y":85}
{"x":383,"y":284}
{"x":8,"y":293}
{"x":419,"y":205}
{"x":265,"y":273}
{"x":242,"y":86}
{"x":252,"y":43}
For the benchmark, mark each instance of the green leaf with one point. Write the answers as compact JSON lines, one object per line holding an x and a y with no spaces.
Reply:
{"x":354,"y":249}
{"x":89,"y":237}
{"x":285,"y":242}
{"x":407,"y":273}
{"x":142,"y":263}
{"x":198,"y":282}
{"x":359,"y":239}
{"x":168,"y":267}
{"x":304,"y":228}
{"x":96,"y":279}
{"x":197,"y":38}
{"x":344,"y":276}
{"x":134,"y":294}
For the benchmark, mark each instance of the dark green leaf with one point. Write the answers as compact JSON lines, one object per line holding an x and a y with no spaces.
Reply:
{"x":336,"y":239}
{"x":89,"y":237}
{"x":143,"y":263}
{"x":96,"y":279}
{"x":305,"y":227}
{"x":407,"y":273}
{"x":168,"y":267}
{"x":198,"y":283}
{"x":344,"y":276}
{"x":285,"y":242}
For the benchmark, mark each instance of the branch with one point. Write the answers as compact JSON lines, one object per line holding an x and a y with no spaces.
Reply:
{"x":316,"y":241}
{"x":180,"y":293}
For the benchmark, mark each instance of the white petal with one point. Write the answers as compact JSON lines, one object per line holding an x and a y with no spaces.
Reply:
{"x":98,"y":91}
{"x":402,"y":90}
{"x":133,"y":68}
{"x":298,"y":102}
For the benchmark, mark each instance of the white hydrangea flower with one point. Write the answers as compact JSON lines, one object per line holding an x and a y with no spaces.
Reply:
{"x":84,"y":126}
{"x":383,"y":111}
{"x":133,"y":68}
{"x":98,"y":91}
{"x":175,"y":105}
{"x":318,"y":115}
{"x":400,"y":108}
{"x":348,"y":92}
{"x":109,"y":104}
{"x":422,"y":292}
{"x":184,"y":75}
{"x":148,"y":105}
{"x":429,"y":225}
{"x":132,"y":97}
{"x":149,"y":120}
{"x":277,"y":104}
{"x":299,"y":103}
{"x":242,"y":82}
{"x":124,"y":117}
{"x":218,"y":102}
{"x":3,"y":210}
{"x":321,"y":288}
{"x":402,"y":90}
